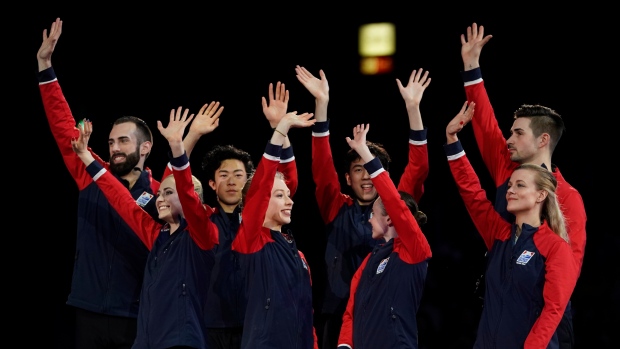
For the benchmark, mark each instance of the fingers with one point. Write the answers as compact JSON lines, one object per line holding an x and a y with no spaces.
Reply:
{"x":218,"y":113}
{"x":278,"y":90}
{"x":270,"y":91}
{"x":463,"y":108}
{"x":400,"y":85}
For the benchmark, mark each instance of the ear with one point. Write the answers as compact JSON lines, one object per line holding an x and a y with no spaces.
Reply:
{"x":145,"y":148}
{"x":389,"y":222}
{"x":212,"y":184}
{"x":542,"y":195}
{"x":544,"y":140}
{"x":348,"y":178}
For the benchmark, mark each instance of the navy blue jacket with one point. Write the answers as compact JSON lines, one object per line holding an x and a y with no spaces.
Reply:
{"x":109,"y":258}
{"x":279,"y":313}
{"x":529,"y":280}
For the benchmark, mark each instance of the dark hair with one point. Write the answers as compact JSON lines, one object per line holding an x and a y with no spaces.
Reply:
{"x":376,"y":149}
{"x":419,"y":216}
{"x":143,"y":133}
{"x":543,"y":120}
{"x":219,"y":153}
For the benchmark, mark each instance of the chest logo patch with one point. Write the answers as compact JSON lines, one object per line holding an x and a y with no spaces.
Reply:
{"x":525,"y":257}
{"x":144,"y":199}
{"x":382,"y":265}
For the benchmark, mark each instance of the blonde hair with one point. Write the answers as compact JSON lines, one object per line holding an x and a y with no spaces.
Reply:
{"x":551,"y":210}
{"x":197,"y":186}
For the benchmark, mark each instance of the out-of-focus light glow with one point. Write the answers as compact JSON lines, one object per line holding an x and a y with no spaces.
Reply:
{"x":376,"y":65}
{"x":377,"y":39}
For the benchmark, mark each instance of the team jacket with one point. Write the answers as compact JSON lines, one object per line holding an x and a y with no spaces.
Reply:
{"x":349,"y":235}
{"x":494,"y":151}
{"x":226,"y":300}
{"x":528,"y":282}
{"x":387,"y":288}
{"x":279,"y":312}
{"x":109,"y":258}
{"x":178,"y":268}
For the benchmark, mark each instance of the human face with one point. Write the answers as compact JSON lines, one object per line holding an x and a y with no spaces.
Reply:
{"x":168,"y":204}
{"x":378,"y":221}
{"x":522,"y":195}
{"x":280,"y":204}
{"x":124,"y":148}
{"x":361,"y":184}
{"x":230,"y":178}
{"x":522,"y":144}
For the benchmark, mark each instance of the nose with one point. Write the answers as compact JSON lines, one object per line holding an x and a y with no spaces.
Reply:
{"x":114,"y":148}
{"x":366,"y":174}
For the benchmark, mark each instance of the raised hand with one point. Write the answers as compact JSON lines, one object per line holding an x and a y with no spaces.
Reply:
{"x":44,"y":55}
{"x":207,"y":119}
{"x":276,"y":108}
{"x":459,"y":121}
{"x":359,"y":136}
{"x":176,"y":126}
{"x":472,"y":46}
{"x":318,"y":88}
{"x":412,"y":93}
{"x":80,"y":145}
{"x":292,"y":120}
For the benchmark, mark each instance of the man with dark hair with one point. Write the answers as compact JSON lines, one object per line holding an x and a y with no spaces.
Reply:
{"x":109,"y":258}
{"x":349,"y":234}
{"x":534,"y":135}
{"x":227,"y":169}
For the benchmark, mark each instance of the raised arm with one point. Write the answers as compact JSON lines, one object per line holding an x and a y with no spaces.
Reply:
{"x":489,"y":137}
{"x":201,"y":229}
{"x":416,"y":171}
{"x":328,"y":191}
{"x":206,"y":120}
{"x":249,"y":238}
{"x":274,"y":110}
{"x":57,"y":111}
{"x":487,"y":221}
{"x":471,"y":46}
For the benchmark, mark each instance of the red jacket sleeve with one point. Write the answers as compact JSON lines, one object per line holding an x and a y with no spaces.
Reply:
{"x":121,"y":200}
{"x":328,"y":194}
{"x":416,"y":171}
{"x":491,"y":141}
{"x":289,"y":169}
{"x":252,"y":236}
{"x":346,"y":331}
{"x":62,"y":125}
{"x":202,"y":230}
{"x":414,"y":246}
{"x":561,"y":273}
{"x":488,"y":222}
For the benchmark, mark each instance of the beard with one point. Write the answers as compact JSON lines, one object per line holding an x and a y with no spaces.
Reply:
{"x":122,"y":168}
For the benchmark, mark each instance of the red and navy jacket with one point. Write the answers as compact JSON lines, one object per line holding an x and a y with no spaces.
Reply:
{"x":178,"y":268}
{"x":529,"y":280}
{"x":227,"y":300}
{"x":349,"y":235}
{"x":496,"y":157}
{"x":109,"y":258}
{"x":387,"y":288}
{"x":279,"y":313}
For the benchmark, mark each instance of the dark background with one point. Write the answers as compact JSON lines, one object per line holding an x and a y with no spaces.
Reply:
{"x":115,"y":61}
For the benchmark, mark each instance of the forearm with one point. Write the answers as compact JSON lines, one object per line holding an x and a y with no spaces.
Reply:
{"x":189,"y":142}
{"x":86,"y":157}
{"x":415,"y":117}
{"x":177,"y":148}
{"x":320,"y":110}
